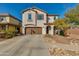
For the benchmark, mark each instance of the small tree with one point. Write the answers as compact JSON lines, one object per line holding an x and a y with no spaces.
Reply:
{"x":61,"y":24}
{"x":72,"y":16}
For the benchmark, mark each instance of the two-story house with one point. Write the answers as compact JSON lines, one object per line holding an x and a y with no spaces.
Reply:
{"x":9,"y":22}
{"x":37,"y":21}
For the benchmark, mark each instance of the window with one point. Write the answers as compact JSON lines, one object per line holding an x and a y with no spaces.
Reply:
{"x":48,"y":18}
{"x":40,"y":16}
{"x":2,"y":19}
{"x":49,"y":28}
{"x":29,"y":16}
{"x":54,"y":17}
{"x":2,"y":27}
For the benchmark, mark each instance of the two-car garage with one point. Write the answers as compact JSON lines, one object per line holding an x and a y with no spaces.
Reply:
{"x":33,"y":30}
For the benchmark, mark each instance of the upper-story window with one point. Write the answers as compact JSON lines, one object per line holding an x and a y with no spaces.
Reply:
{"x":29,"y":17}
{"x":2,"y":18}
{"x":55,"y":17}
{"x":40,"y":16}
{"x":48,"y":18}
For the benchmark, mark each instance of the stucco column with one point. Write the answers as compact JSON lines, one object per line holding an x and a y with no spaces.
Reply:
{"x":44,"y":30}
{"x":23,"y":30}
{"x":52,"y":30}
{"x":7,"y":27}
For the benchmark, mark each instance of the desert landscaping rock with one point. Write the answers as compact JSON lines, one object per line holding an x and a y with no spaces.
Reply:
{"x":63,"y":46}
{"x":63,"y":52}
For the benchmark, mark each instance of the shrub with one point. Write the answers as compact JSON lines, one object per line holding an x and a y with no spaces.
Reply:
{"x":62,"y":32}
{"x":2,"y":33}
{"x":9,"y":34}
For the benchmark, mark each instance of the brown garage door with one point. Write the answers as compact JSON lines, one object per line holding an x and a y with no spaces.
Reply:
{"x":33,"y":30}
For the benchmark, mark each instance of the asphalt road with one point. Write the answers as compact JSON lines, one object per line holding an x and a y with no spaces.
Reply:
{"x":28,"y":45}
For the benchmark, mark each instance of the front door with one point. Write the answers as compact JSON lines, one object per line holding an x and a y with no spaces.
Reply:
{"x":48,"y":28}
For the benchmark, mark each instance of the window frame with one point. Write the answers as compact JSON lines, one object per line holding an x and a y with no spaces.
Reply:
{"x":54,"y":17}
{"x":29,"y":17}
{"x":2,"y":18}
{"x":39,"y":17}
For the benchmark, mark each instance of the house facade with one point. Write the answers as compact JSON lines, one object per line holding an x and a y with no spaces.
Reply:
{"x":9,"y":22}
{"x":37,"y":21}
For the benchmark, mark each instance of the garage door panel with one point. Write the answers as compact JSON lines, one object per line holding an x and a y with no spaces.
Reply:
{"x":34,"y":30}
{"x":39,"y":30}
{"x":28,"y":30}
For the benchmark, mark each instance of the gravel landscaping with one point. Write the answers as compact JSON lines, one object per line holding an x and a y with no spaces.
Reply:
{"x":62,"y":52}
{"x":63,"y":46}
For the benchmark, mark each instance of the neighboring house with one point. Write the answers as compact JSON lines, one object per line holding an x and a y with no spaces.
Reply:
{"x":9,"y":22}
{"x":37,"y":21}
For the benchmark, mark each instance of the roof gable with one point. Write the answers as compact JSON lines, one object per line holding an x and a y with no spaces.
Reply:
{"x":6,"y":14}
{"x":28,"y":10}
{"x":33,"y":9}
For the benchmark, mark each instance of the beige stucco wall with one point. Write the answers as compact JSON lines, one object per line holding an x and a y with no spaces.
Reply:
{"x":25,"y":18}
{"x":35,"y":21}
{"x":52,"y":30}
{"x":10,"y":20}
{"x":57,"y":17}
{"x":13,"y":21}
{"x":11,"y":28}
{"x":40,"y":23}
{"x":51,"y":19}
{"x":6,"y":20}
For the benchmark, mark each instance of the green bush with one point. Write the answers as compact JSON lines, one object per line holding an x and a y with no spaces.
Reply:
{"x":9,"y":34}
{"x":2,"y":31}
{"x":62,"y":32}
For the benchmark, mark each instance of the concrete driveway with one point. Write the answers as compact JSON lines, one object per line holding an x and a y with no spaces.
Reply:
{"x":28,"y":45}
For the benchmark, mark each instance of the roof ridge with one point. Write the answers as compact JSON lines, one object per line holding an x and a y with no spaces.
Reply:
{"x":38,"y":9}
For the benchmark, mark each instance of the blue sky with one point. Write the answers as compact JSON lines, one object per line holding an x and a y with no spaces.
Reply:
{"x":51,"y":8}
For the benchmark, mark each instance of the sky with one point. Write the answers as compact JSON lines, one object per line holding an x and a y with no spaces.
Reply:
{"x":16,"y":9}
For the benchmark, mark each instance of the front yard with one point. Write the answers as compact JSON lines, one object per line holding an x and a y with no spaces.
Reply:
{"x":63,"y":46}
{"x":58,"y":45}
